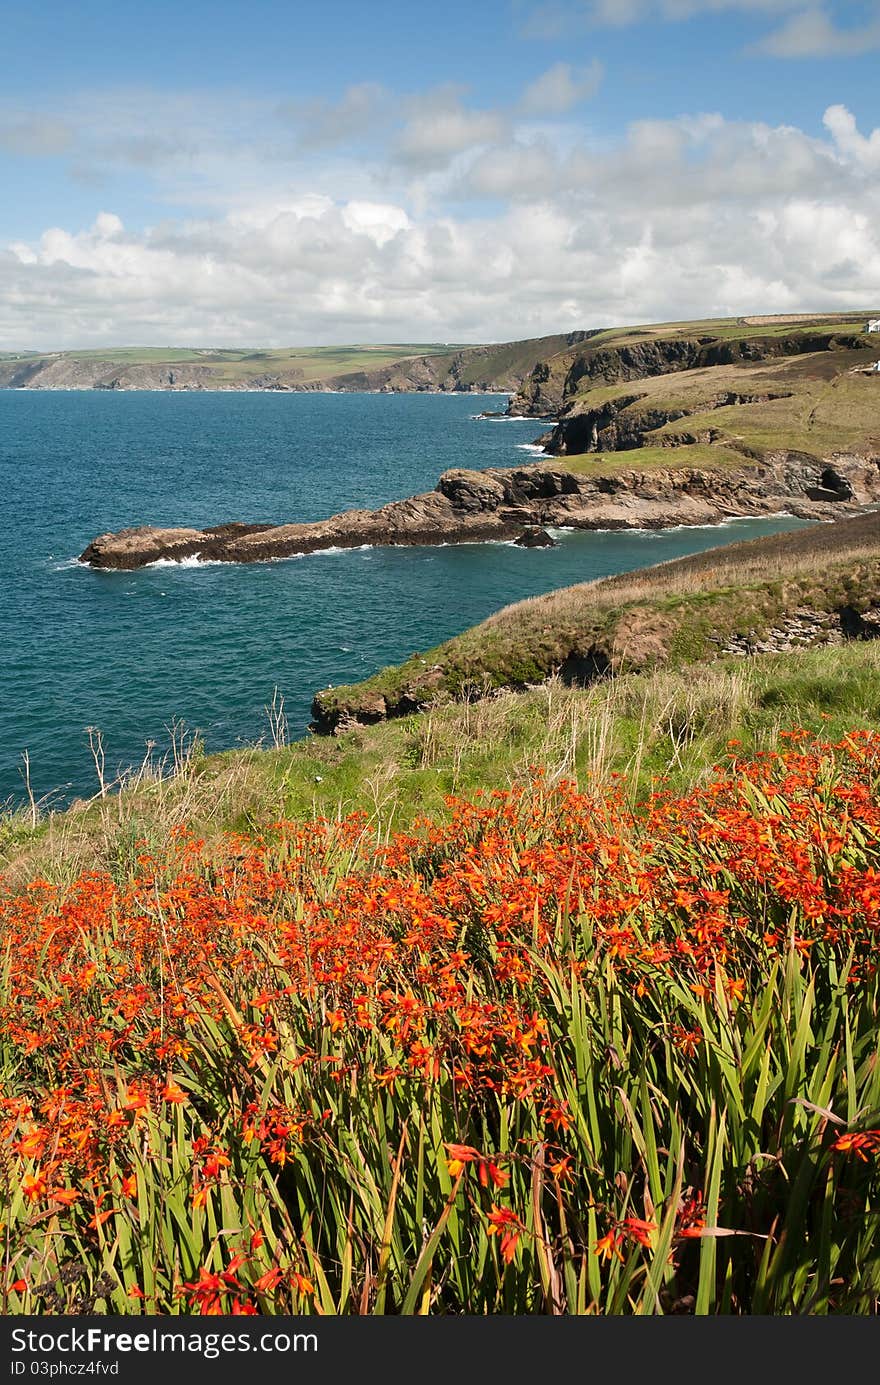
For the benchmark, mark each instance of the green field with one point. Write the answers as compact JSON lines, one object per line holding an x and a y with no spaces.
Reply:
{"x":314,"y":362}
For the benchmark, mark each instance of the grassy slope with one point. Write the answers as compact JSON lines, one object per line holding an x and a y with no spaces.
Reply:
{"x":668,"y":614}
{"x":825,"y":403}
{"x":705,"y":456}
{"x":670,"y":724}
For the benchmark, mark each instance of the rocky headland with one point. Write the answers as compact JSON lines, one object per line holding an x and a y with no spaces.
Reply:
{"x":521,"y":502}
{"x":653,"y":428}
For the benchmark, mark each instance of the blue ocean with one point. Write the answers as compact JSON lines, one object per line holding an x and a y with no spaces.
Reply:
{"x":134,"y":653}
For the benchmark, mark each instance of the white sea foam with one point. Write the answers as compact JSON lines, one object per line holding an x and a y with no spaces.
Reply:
{"x":510,"y":418}
{"x":532,"y":447}
{"x":680,"y":528}
{"x":346,"y":548}
{"x":193,"y":560}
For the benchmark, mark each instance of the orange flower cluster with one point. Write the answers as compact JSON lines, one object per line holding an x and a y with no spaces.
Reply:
{"x":406,"y":965}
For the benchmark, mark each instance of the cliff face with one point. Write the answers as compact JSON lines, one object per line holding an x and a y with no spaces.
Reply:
{"x":476,"y":506}
{"x":552,"y":384}
{"x":72,"y":373}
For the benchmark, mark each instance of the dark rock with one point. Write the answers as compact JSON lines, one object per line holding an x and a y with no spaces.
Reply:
{"x":535,"y":538}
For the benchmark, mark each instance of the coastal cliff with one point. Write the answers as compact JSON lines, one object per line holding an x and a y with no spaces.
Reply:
{"x":471,"y":369}
{"x":656,"y":428}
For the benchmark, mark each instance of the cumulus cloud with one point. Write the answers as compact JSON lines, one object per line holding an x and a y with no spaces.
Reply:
{"x":690,"y":217}
{"x":561,"y":88}
{"x":862,"y":150}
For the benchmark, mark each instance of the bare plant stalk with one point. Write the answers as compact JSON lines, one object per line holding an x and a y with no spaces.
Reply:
{"x":96,"y":746}
{"x":26,"y":776}
{"x":277,"y":717}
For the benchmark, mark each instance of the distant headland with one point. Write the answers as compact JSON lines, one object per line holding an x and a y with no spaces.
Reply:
{"x":683,"y":423}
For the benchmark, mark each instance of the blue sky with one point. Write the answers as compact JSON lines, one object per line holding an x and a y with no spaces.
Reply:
{"x":285,"y":173}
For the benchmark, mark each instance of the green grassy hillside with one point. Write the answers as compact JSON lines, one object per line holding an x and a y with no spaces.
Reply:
{"x":669,"y":615}
{"x":822,"y":403}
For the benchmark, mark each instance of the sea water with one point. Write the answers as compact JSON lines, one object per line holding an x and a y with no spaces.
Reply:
{"x":134,"y":653}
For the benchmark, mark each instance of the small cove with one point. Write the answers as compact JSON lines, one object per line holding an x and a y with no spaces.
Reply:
{"x":131,"y":653}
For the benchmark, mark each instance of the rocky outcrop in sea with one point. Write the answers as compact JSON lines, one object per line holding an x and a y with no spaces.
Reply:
{"x":520,"y":504}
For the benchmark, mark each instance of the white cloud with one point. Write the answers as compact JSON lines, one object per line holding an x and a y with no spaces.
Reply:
{"x":358,"y":114}
{"x":440,"y":127}
{"x":561,"y":88}
{"x":552,"y":18}
{"x":685,"y":218}
{"x":814,"y":34}
{"x":864,"y":151}
{"x":809,"y":27}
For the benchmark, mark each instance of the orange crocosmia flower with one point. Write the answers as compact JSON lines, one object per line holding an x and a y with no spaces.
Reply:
{"x":136,"y":1099}
{"x":19,"y":1287}
{"x":607,"y":1246}
{"x":130,"y":1185}
{"x":171,"y":1092}
{"x":268,"y":1281}
{"x":33,"y":1185}
{"x":505,"y":1224}
{"x":458,"y":1156}
{"x":860,"y":1143}
{"x":641,"y":1231}
{"x":66,"y":1196}
{"x":489,"y":1172}
{"x":303,"y":1286}
{"x":31,"y":1144}
{"x":135,"y":1292}
{"x":215,"y":1163}
{"x":100,"y":1217}
{"x":257,"y":1240}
